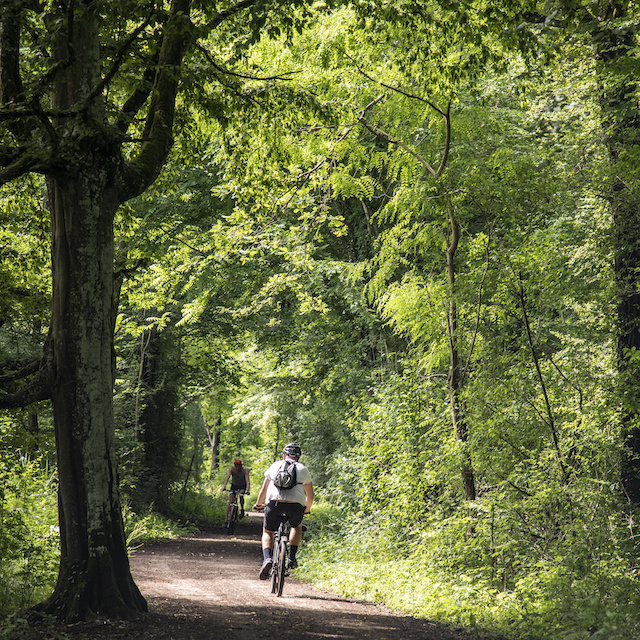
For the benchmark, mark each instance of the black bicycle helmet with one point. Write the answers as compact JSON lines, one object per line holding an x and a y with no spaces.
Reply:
{"x":292,"y":450}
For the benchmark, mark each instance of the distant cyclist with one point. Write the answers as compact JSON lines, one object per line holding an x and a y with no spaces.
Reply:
{"x":239,"y":481}
{"x":282,"y":504}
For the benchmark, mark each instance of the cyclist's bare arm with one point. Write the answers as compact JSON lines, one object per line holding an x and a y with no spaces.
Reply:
{"x":224,"y":486}
{"x":308,"y":489}
{"x":259,"y":505}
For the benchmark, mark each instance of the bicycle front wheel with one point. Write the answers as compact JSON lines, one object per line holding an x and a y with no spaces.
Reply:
{"x":282,"y":567}
{"x":232,"y":516}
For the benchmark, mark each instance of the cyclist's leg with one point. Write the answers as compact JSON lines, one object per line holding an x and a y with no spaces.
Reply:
{"x":295,"y":537}
{"x":267,"y":561}
{"x":267,"y":540}
{"x":295,"y":519}
{"x":294,"y":542}
{"x":269,"y":528}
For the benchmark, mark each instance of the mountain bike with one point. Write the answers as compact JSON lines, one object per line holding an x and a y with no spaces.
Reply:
{"x":279,"y":555}
{"x":232,"y":510}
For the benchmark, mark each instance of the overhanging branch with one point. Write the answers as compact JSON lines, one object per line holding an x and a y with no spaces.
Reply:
{"x":158,"y":134}
{"x":38,"y":389}
{"x":20,"y":166}
{"x":227,"y":13}
{"x":19,"y":370}
{"x":445,"y":113}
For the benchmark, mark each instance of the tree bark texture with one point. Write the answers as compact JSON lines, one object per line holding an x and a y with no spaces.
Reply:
{"x":61,"y":129}
{"x":94,"y":576}
{"x":68,"y":123}
{"x":621,"y":123}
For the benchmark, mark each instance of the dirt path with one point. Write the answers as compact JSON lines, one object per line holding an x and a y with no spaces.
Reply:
{"x":206,"y":587}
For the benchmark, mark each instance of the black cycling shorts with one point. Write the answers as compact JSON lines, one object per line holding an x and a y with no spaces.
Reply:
{"x":276,"y":512}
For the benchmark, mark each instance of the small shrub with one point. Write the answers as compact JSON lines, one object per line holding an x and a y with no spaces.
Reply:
{"x":149,"y":526}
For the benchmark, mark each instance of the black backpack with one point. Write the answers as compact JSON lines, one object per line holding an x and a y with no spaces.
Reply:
{"x":287,"y":476}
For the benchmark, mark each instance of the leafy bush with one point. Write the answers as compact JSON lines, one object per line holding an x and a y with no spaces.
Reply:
{"x":29,"y":541}
{"x":149,"y":526}
{"x":583,"y":593}
{"x":201,"y":504}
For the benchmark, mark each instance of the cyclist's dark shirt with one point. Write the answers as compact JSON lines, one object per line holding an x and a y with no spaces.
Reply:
{"x":238,"y":479}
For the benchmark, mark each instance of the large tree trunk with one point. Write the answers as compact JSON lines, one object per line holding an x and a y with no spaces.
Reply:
{"x":621,"y":122}
{"x":94,"y":576}
{"x":77,"y":144}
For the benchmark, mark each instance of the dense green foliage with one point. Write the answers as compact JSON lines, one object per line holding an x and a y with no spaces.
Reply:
{"x":402,"y":257}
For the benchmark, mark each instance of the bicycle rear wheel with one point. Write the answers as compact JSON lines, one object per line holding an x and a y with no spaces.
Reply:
{"x":274,"y":568}
{"x":282,"y":567}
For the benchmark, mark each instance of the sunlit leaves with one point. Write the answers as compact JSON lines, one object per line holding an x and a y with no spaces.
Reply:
{"x":24,"y":276}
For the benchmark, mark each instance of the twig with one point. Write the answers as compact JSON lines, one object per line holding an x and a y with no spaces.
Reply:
{"x":552,"y":424}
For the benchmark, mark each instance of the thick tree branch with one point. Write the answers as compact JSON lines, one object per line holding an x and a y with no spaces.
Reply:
{"x":69,"y":55}
{"x":158,"y":136}
{"x":227,"y":13}
{"x":227,"y":72}
{"x":119,"y":59}
{"x":38,"y":389}
{"x":22,"y":164}
{"x":136,"y":100}
{"x":19,"y":369}
{"x":179,"y":34}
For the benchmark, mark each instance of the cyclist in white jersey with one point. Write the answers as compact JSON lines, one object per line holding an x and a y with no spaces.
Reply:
{"x":281,"y":505}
